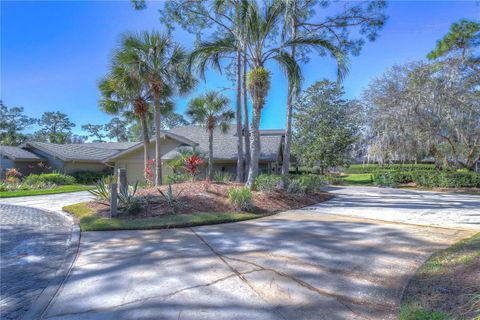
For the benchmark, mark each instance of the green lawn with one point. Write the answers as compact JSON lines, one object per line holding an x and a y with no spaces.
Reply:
{"x":59,"y":189}
{"x":89,"y":221}
{"x":358,"y":179}
{"x":422,"y":301}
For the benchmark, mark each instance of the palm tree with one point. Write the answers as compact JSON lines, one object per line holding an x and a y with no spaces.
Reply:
{"x":159,"y":63}
{"x":211,"y":110}
{"x":123,"y":93}
{"x":294,"y":12}
{"x":260,"y":26}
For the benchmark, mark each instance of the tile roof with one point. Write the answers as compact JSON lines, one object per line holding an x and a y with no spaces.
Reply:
{"x":82,"y":151}
{"x":17,"y":153}
{"x":225,"y":144}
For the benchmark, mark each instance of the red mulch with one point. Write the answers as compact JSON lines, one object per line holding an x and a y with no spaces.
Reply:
{"x":202,"y":196}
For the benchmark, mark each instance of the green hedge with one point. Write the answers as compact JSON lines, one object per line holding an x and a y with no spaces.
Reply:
{"x":55,"y":178}
{"x":427,"y":178}
{"x":371,"y":168}
{"x":306,"y":183}
{"x":90,"y":177}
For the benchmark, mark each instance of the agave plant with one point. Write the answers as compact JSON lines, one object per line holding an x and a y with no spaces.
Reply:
{"x":127,"y":199}
{"x":170,"y":197}
{"x":102,"y":190}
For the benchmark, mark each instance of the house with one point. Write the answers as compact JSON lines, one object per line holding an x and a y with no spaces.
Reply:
{"x":97,"y":157}
{"x":195,"y":137}
{"x":21,"y":159}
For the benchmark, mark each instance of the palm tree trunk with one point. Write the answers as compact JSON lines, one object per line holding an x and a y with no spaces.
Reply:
{"x":288,"y":125}
{"x":146,"y":142}
{"x":238,"y":115}
{"x":246,"y":129}
{"x":253,"y":170}
{"x":210,"y":154}
{"x":158,"y":156}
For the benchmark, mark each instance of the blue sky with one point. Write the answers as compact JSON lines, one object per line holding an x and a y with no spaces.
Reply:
{"x":53,"y":53}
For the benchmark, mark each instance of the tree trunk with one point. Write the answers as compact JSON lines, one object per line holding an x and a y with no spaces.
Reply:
{"x":158,"y":161}
{"x":238,"y":115}
{"x":253,"y":170}
{"x":146,"y":142}
{"x":210,"y":154}
{"x":288,"y":125}
{"x":246,"y":129}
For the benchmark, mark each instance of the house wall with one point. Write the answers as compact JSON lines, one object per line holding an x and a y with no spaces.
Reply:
{"x":22,"y":166}
{"x":56,"y":164}
{"x":72,"y":167}
{"x":5,"y":164}
{"x":134,"y":163}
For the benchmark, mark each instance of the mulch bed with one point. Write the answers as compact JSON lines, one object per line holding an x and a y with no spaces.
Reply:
{"x":202,"y":196}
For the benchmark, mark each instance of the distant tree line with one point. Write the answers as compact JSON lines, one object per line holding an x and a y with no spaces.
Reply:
{"x":56,"y":127}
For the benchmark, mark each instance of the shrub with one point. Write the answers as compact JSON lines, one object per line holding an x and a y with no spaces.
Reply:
{"x":127,"y":200}
{"x":13,"y":175}
{"x":90,"y":177}
{"x":170,"y":197}
{"x":296,"y":186}
{"x":309,"y":182}
{"x":428,"y":178}
{"x":55,"y":178}
{"x":372,"y":168}
{"x":267,"y":182}
{"x":383,"y":179}
{"x":220,"y":176}
{"x":177,"y":178}
{"x":334,"y":180}
{"x":102,"y":190}
{"x":240,"y":198}
{"x":192,"y":165}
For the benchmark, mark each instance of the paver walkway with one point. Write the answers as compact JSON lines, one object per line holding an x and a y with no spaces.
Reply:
{"x":33,"y":246}
{"x":301,"y":264}
{"x":34,"y":237}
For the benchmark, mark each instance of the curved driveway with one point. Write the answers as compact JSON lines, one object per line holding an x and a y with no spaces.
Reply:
{"x":301,"y":264}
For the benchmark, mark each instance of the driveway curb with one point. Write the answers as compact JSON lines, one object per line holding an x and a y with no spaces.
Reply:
{"x":40,"y":306}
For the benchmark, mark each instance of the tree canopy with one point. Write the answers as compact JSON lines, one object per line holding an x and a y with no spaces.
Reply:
{"x":325,"y":126}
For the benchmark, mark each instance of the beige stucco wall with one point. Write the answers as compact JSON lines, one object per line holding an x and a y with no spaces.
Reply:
{"x":72,"y":167}
{"x":133,"y":161}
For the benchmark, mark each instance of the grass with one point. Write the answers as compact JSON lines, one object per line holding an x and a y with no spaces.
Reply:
{"x":360,"y":179}
{"x":59,"y":189}
{"x":90,"y":221}
{"x":460,"y":253}
{"x":436,"y":272}
{"x":408,"y":312}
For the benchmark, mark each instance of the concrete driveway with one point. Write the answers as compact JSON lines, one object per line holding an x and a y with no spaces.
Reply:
{"x":301,"y":264}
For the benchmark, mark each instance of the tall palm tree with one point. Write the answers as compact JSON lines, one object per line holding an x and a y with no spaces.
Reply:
{"x":123,"y":93}
{"x":211,"y":110}
{"x":160,"y":64}
{"x":294,"y":12}
{"x":260,"y":26}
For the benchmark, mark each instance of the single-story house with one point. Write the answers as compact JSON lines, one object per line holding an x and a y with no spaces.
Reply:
{"x":23,"y":160}
{"x":195,"y":137}
{"x":71,"y":158}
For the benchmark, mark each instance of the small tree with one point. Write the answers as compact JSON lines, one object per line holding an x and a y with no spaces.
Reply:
{"x":211,"y":111}
{"x":325,"y":126}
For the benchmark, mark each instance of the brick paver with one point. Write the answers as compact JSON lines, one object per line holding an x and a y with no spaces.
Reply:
{"x":33,"y":244}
